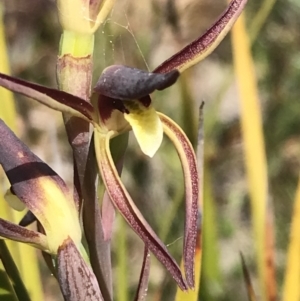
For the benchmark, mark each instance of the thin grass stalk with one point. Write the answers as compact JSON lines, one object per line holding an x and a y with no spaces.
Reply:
{"x":7,"y":292}
{"x":189,"y":121}
{"x":247,"y":280}
{"x":254,"y":148}
{"x":260,"y":18}
{"x":211,"y":274}
{"x":13,"y":273}
{"x":291,"y":287}
{"x":24,"y":256}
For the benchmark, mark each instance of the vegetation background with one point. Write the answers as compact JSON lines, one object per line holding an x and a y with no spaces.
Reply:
{"x":142,"y":34}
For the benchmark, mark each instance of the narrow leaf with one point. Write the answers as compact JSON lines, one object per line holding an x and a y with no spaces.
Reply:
{"x":52,"y":98}
{"x":271,"y":285}
{"x":13,"y":273}
{"x":205,"y":44}
{"x":191,"y":181}
{"x":76,"y":279}
{"x":128,"y":209}
{"x":7,"y":292}
{"x":253,"y":142}
{"x":291,"y":288}
{"x":247,"y":279}
{"x":14,"y":232}
{"x":144,"y":277}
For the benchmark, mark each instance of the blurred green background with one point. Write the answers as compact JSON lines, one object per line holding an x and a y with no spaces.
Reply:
{"x":143,"y":34}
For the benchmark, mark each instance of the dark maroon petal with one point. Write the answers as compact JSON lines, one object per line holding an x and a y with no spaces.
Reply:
{"x":191,"y":182}
{"x":125,"y":83}
{"x":128,"y":209}
{"x":205,"y":44}
{"x":14,"y":232}
{"x":76,"y":278}
{"x":144,"y":277}
{"x":55,"y":99}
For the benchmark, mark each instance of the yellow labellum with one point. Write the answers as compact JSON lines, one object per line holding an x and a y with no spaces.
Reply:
{"x":146,"y":126}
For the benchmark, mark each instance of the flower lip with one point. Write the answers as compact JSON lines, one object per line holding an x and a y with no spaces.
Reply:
{"x":126,"y":83}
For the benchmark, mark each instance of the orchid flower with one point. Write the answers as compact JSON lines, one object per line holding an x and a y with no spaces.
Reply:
{"x":123,"y":103}
{"x":46,"y":195}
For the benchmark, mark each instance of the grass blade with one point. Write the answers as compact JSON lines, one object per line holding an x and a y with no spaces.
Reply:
{"x":7,"y":292}
{"x":291,"y":288}
{"x":13,"y":273}
{"x":254,"y":149}
{"x":247,"y":279}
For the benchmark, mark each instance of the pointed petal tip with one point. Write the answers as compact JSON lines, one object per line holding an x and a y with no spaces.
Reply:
{"x":200,"y":48}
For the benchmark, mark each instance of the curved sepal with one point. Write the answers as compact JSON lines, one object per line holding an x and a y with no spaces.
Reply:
{"x":76,"y":279}
{"x":146,"y":126}
{"x":42,"y":191}
{"x":128,"y":209}
{"x":52,"y":98}
{"x":205,"y":44}
{"x":191,"y":181}
{"x":14,"y":232}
